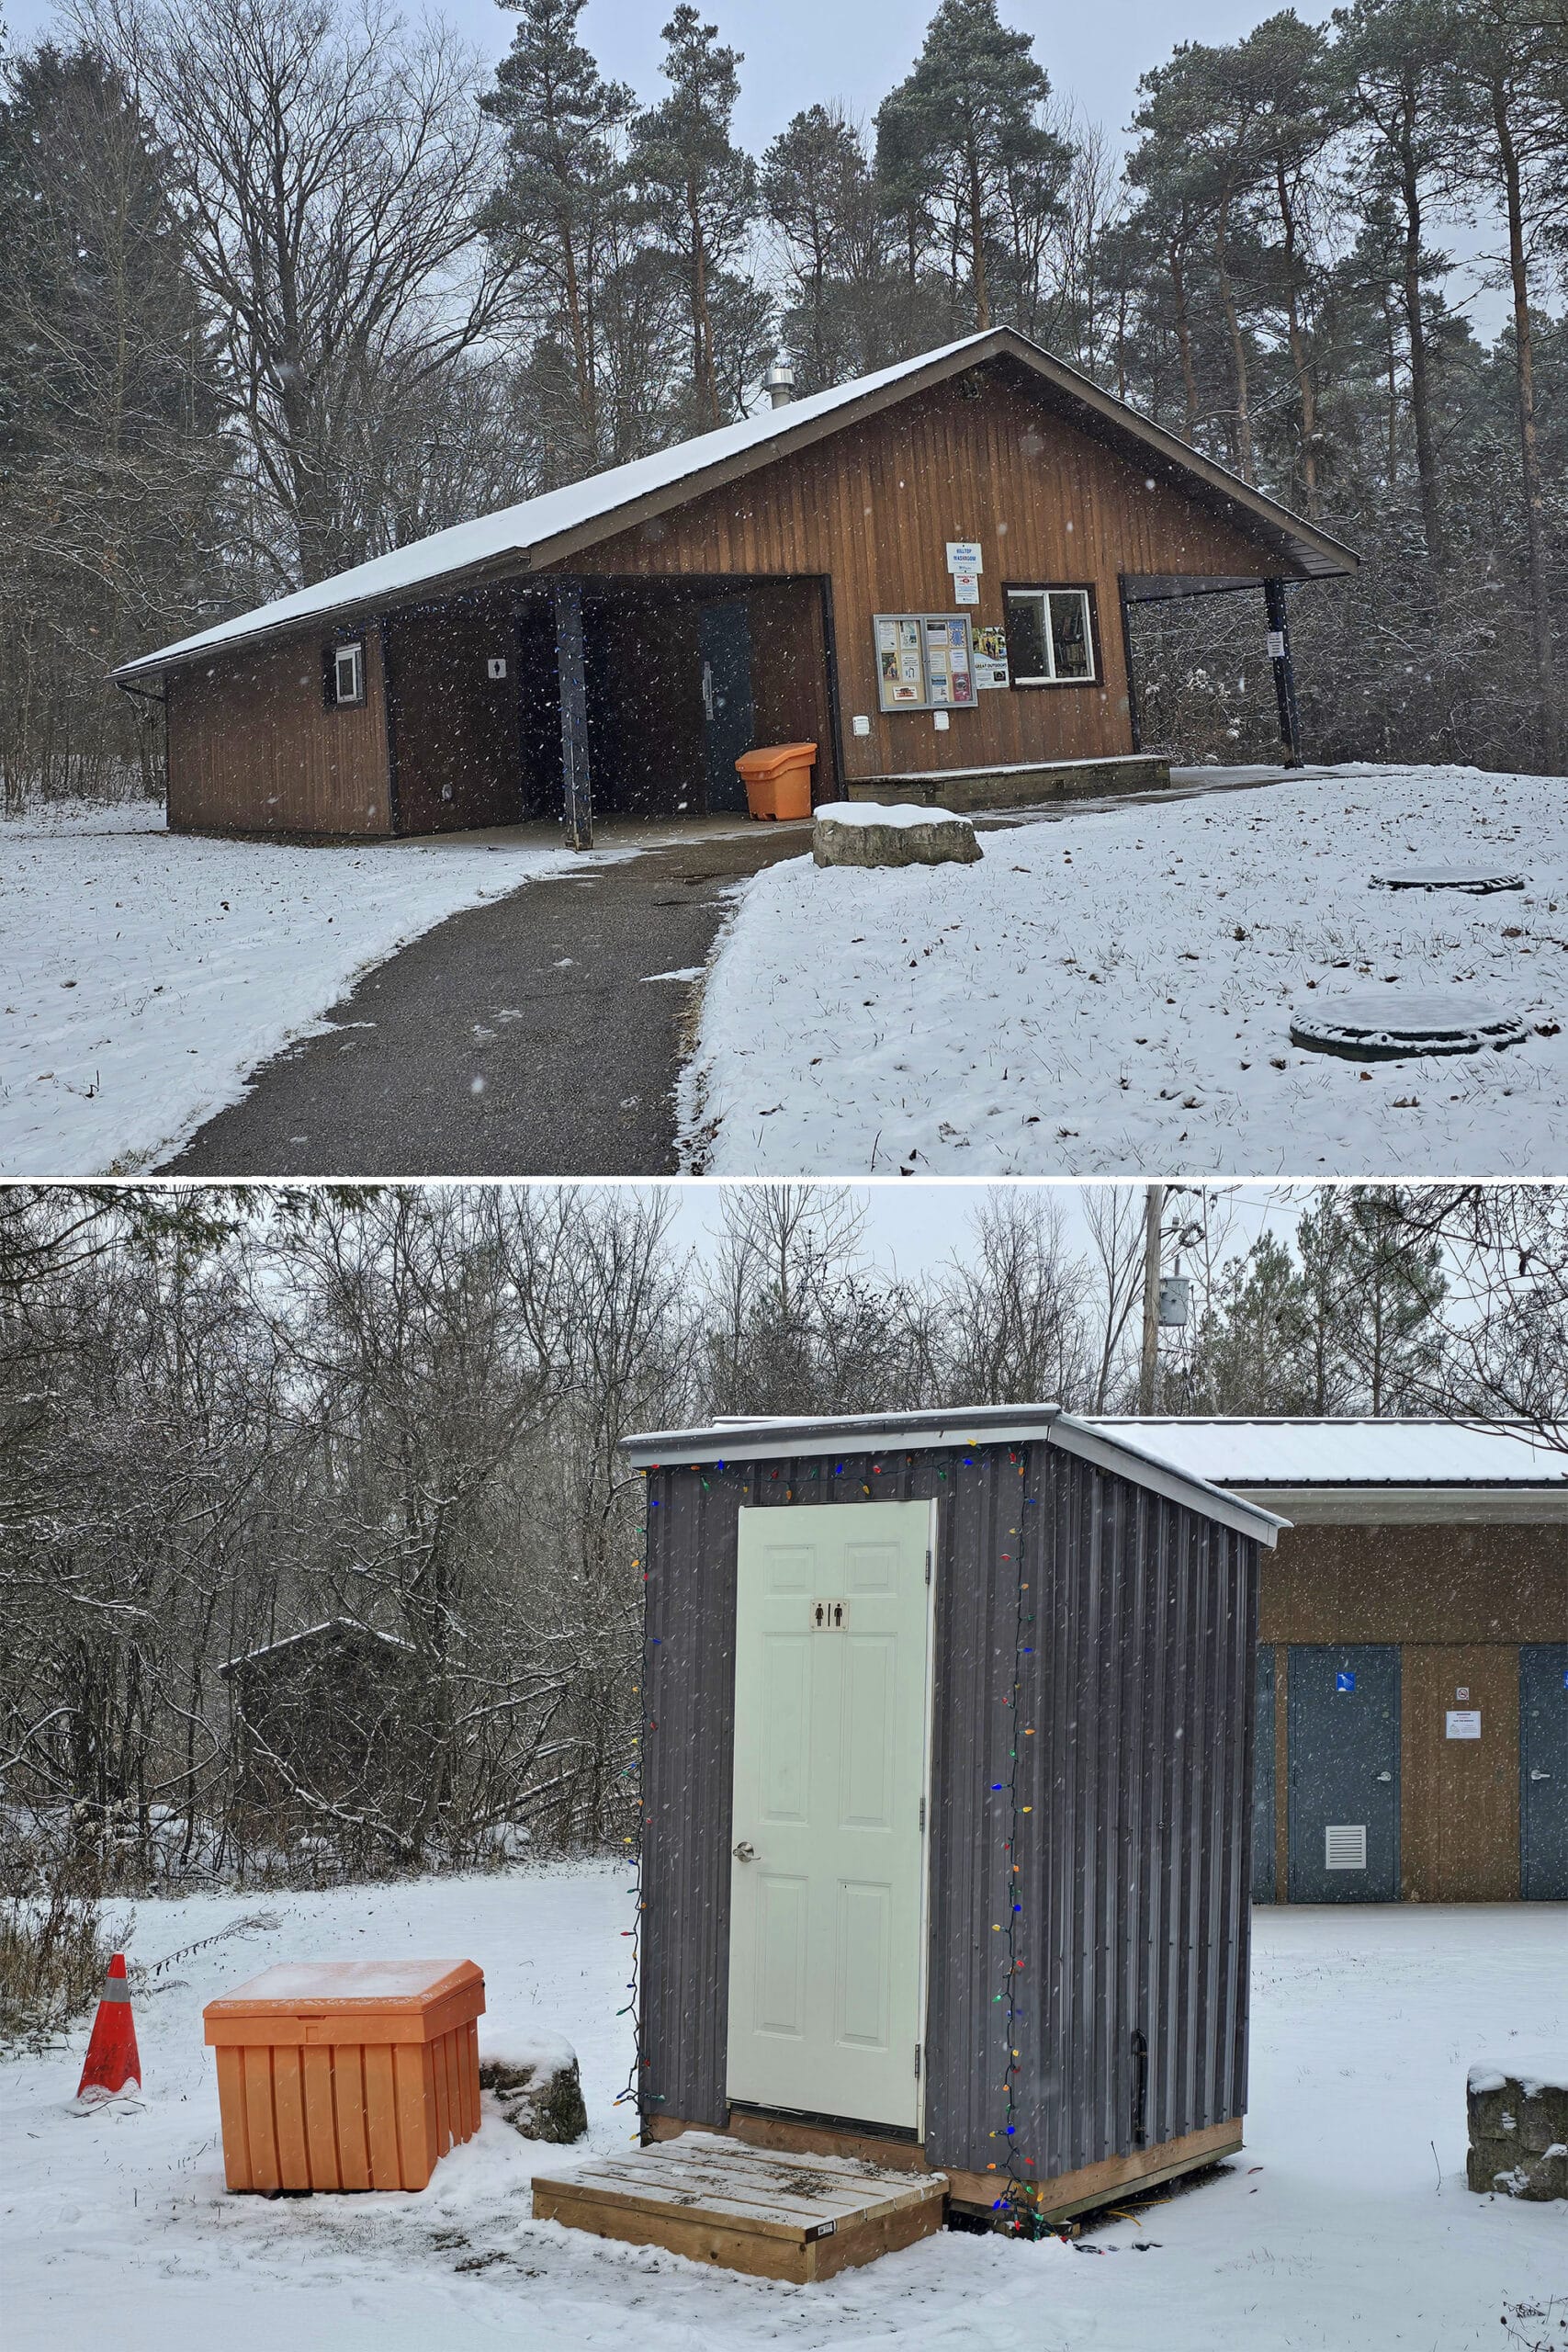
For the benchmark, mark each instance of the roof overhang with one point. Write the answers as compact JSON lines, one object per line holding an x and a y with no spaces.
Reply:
{"x":1426,"y":1506}
{"x":765,"y":1440}
{"x":1291,"y":546}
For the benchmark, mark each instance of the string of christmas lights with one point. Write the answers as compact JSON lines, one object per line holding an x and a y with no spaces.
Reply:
{"x":633,"y":2009}
{"x":1018,"y":2205}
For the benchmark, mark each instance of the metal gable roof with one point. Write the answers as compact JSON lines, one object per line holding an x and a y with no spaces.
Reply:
{"x":1350,"y":1452}
{"x":547,"y":528}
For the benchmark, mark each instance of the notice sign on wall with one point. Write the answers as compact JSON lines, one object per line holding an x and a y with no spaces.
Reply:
{"x":963,"y":563}
{"x":1464,"y":1723}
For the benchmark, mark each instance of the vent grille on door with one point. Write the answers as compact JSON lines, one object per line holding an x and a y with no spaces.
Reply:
{"x":1345,"y":1846}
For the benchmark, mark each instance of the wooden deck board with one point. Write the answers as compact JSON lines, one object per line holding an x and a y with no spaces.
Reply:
{"x":771,"y":2214}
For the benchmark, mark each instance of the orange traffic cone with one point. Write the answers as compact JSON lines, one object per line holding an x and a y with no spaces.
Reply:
{"x":113,"y":2059}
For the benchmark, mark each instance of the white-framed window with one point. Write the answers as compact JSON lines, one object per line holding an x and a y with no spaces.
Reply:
{"x":348,"y":673}
{"x":1050,"y":636}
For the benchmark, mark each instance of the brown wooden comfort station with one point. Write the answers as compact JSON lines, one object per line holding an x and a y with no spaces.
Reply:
{"x":927,"y":572}
{"x":1413,"y":1656}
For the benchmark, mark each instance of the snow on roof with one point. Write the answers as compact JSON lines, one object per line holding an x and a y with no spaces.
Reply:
{"x":514,"y":533}
{"x":1330,"y":1452}
{"x":310,"y":1633}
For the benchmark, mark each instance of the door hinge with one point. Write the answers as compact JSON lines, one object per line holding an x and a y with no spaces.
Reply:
{"x":917,"y":2062}
{"x":922,"y":1813}
{"x":928,"y":1563}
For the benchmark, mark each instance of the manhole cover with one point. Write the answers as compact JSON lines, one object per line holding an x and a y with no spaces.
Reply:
{"x":1477,"y":881}
{"x":1373,"y":1027}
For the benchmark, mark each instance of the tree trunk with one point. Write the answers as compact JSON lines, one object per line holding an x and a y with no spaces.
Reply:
{"x":977,"y":247}
{"x":1415,"y":333}
{"x":1301,"y":358}
{"x":1529,"y":448}
{"x":1238,"y":345}
{"x":1184,"y":341}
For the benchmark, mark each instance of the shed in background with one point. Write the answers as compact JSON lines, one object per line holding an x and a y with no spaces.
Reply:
{"x":947,"y":1771}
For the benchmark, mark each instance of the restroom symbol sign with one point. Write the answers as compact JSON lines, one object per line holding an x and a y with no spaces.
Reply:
{"x":1344,"y":1681}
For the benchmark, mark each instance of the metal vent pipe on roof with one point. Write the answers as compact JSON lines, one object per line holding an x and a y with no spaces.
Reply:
{"x":779,"y":383}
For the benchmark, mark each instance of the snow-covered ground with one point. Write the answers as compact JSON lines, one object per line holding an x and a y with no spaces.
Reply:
{"x":1345,"y":2223}
{"x":1109,"y":992}
{"x":143,"y":974}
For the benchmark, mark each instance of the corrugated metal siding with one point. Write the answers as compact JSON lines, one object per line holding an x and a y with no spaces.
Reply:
{"x":1134,"y":1732}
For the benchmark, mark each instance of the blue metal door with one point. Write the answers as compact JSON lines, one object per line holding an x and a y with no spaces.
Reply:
{"x":1342,"y":1707}
{"x":1544,"y":1771}
{"x":723,"y":645}
{"x":1263,"y":1888}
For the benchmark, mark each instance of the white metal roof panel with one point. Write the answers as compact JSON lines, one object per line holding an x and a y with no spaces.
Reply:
{"x":1252,"y":1453}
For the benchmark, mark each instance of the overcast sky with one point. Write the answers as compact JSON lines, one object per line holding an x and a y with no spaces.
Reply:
{"x":914,"y":1227}
{"x":800,"y":50}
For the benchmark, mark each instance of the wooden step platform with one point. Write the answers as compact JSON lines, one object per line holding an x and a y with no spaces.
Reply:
{"x":756,"y":2210}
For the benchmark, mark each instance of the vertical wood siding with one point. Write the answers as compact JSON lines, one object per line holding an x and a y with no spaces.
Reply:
{"x":456,"y":727}
{"x":254,"y":746}
{"x":873,"y":508}
{"x":1135,"y":1763}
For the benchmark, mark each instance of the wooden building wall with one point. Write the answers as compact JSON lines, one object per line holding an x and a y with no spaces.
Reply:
{"x":872,"y":508}
{"x":1457,"y":1599}
{"x":253,"y":746}
{"x":455,"y":730}
{"x":1444,"y":1583}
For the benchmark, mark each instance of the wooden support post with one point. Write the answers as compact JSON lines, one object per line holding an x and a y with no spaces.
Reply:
{"x":1133,"y":723}
{"x":1284,"y":672}
{"x":577,"y":795}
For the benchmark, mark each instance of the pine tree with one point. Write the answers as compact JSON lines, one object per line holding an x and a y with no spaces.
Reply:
{"x":963,"y":146}
{"x":701,"y":191}
{"x":554,"y":219}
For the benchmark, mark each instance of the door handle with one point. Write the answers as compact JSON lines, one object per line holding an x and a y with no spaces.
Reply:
{"x":745,"y":1853}
{"x":707,"y":689}
{"x":1382,"y":1776}
{"x":1535,"y":1775}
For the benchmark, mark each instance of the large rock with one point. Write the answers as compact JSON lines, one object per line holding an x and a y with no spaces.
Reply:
{"x":1518,"y":2130}
{"x":866,"y":832}
{"x":537,"y":2087}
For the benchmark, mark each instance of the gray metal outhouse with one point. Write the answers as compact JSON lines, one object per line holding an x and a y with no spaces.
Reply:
{"x":947,"y":1773}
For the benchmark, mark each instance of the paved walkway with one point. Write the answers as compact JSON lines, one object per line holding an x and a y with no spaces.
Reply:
{"x":525,"y":1037}
{"x":521,"y":1038}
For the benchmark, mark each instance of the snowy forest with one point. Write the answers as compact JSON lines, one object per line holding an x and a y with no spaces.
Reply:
{"x":285,"y":283}
{"x":229,"y":1418}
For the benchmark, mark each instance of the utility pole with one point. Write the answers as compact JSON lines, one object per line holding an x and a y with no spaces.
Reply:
{"x":1154,"y":1210}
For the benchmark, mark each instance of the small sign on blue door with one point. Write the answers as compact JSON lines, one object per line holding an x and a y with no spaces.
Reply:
{"x":1344,"y":1681}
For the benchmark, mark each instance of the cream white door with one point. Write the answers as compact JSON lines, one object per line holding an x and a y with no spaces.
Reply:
{"x":827,"y":1932}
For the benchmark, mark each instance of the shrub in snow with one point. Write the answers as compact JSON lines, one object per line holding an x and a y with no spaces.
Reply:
{"x":863,"y":832}
{"x":1518,"y":2130}
{"x":537,"y":2086}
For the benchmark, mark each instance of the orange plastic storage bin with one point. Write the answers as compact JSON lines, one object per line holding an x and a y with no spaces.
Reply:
{"x":778,"y":779}
{"x":347,"y":2073}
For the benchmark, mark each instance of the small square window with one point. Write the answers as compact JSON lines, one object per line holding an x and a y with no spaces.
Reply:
{"x":348,"y":673}
{"x":1050,"y":636}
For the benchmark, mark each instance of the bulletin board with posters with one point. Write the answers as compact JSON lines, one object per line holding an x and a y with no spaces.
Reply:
{"x":924,"y":661}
